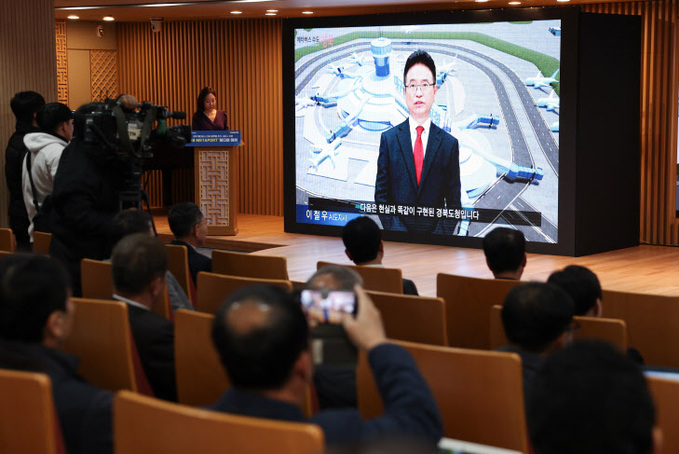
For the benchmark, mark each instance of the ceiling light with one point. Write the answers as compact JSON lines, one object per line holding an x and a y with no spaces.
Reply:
{"x":73,"y":17}
{"x":271,"y":10}
{"x":269,"y":14}
{"x":236,"y":12}
{"x":109,"y":18}
{"x":563,"y":1}
{"x":307,"y":12}
{"x":480,"y":1}
{"x":514,"y":3}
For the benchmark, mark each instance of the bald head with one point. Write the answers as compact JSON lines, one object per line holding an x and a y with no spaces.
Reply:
{"x":259,"y":333}
{"x":334,"y":277}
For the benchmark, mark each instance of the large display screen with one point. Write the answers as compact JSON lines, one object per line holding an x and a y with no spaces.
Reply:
{"x":492,"y":151}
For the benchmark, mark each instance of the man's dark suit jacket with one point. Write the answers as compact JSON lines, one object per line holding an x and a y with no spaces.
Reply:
{"x":85,"y":412}
{"x":396,"y":182}
{"x":154,"y":338}
{"x":197,"y":261}
{"x":409,"y":287}
{"x":410,"y":408}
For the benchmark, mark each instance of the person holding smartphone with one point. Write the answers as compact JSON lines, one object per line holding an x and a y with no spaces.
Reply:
{"x":262,"y":337}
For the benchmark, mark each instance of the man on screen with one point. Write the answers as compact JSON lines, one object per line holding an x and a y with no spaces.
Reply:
{"x":418,"y":164}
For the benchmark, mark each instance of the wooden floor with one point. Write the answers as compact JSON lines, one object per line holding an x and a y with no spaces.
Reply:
{"x":644,"y":269}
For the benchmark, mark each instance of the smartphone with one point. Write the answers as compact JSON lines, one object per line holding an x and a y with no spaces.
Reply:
{"x":334,"y":300}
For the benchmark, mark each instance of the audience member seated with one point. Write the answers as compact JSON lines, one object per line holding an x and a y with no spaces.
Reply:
{"x":189,"y":227}
{"x":262,"y":337}
{"x":590,"y":399}
{"x":139,"y":265}
{"x":35,"y":318}
{"x":128,"y":222}
{"x":364,"y":246}
{"x":505,"y":251}
{"x":537,"y":319}
{"x":335,"y":369}
{"x":583,"y":287}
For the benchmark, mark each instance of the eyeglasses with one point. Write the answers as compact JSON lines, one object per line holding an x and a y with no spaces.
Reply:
{"x":424,"y":86}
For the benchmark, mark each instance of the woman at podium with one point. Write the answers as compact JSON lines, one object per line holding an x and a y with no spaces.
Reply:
{"x":207,"y":117}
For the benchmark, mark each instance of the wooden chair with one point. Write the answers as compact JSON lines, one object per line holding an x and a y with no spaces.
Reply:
{"x":468,"y":302}
{"x":41,"y":243}
{"x":652,"y":322}
{"x":201,"y":378}
{"x":665,"y":394}
{"x":375,"y":278}
{"x":146,"y":425}
{"x":102,"y":338}
{"x":7,"y":240}
{"x":97,"y":283}
{"x":249,"y":265}
{"x":412,"y":318}
{"x":178,"y":264}
{"x":479,"y":393}
{"x":28,"y":419}
{"x":214,"y":288}
{"x":607,"y":329}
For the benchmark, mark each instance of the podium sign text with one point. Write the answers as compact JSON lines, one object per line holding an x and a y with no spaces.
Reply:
{"x":214,"y":139}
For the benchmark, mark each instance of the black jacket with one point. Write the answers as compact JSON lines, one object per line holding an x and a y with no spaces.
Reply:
{"x":84,"y":411}
{"x":14,"y":157}
{"x":410,"y":408}
{"x":85,"y":200}
{"x":197,"y":261}
{"x":154,"y":338}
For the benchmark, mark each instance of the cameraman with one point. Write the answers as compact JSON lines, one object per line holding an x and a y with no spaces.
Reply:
{"x":85,"y":197}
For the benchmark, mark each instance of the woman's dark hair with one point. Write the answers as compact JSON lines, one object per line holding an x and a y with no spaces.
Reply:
{"x":201,"y":98}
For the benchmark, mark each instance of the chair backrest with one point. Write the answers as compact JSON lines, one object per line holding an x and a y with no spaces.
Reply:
{"x":468,"y":302}
{"x":41,"y":242}
{"x":143,"y":425}
{"x":375,"y":278}
{"x":201,"y":378}
{"x":412,"y":318}
{"x":97,"y":279}
{"x":101,"y":337}
{"x":178,"y":264}
{"x":97,"y":283}
{"x":665,"y":394}
{"x":652,"y":322}
{"x":610,"y":330}
{"x":7,"y":240}
{"x":479,"y":393}
{"x":28,"y":421}
{"x":249,"y":265}
{"x":214,"y":288}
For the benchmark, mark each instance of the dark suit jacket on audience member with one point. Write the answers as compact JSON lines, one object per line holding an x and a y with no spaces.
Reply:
{"x":410,"y":408}
{"x":84,"y":411}
{"x":530,"y":363}
{"x":154,"y":338}
{"x":197,"y":261}
{"x":409,"y":287}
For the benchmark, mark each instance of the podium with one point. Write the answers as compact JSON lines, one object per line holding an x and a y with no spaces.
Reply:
{"x":216,"y":170}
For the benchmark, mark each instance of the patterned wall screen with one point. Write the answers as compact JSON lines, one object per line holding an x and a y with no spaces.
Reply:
{"x":103,"y":74}
{"x":62,"y":62}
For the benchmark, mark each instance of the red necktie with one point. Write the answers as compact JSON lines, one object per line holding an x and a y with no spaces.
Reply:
{"x":418,"y":154}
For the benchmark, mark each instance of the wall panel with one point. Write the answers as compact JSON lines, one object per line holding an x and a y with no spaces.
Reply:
{"x":658,"y":115}
{"x":27,"y":62}
{"x":241,"y":60}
